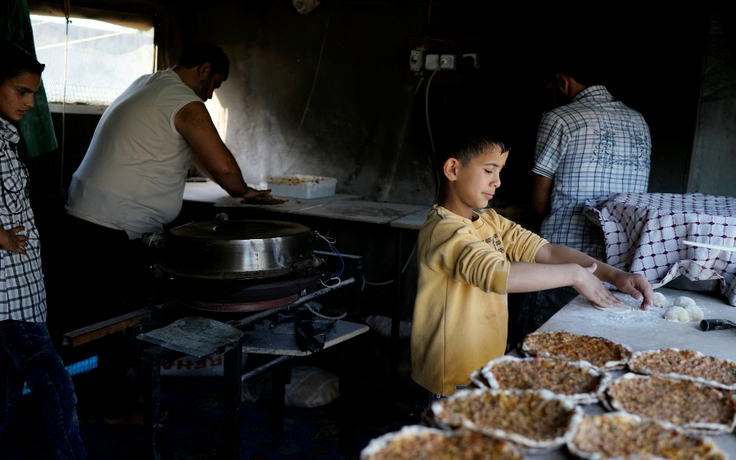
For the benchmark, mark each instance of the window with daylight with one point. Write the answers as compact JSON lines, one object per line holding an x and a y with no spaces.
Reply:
{"x":89,"y":61}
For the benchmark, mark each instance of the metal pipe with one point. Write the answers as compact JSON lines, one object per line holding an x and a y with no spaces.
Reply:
{"x":261,"y":369}
{"x":296,"y":303}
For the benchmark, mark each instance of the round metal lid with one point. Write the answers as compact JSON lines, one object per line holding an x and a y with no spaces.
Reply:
{"x":237,"y":249}
{"x":239,"y":229}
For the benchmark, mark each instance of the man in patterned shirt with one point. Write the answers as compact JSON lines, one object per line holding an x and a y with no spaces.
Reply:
{"x":592,"y":146}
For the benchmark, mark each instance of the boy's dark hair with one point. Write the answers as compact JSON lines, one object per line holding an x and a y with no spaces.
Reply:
{"x":16,"y":61}
{"x":200,"y":53}
{"x":467,"y":147}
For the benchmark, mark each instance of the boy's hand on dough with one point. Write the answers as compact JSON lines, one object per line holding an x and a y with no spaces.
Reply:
{"x":637,"y":286}
{"x":594,"y":290}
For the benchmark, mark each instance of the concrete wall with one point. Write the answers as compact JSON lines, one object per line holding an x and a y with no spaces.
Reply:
{"x":327,"y":93}
{"x":714,"y":152}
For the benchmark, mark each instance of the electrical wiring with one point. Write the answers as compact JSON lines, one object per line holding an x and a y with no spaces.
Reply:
{"x":416,"y":90}
{"x":335,"y":276}
{"x":315,"y":313}
{"x":381,"y":283}
{"x":408,"y":259}
{"x":67,"y":12}
{"x":429,"y":131}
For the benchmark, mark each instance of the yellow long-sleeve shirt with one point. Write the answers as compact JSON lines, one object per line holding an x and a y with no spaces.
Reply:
{"x":460,"y":313}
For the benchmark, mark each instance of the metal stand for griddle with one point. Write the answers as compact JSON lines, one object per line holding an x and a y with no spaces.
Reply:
{"x":251,"y":341}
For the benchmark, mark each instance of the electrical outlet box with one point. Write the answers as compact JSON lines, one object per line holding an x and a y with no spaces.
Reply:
{"x":432,"y":62}
{"x":416,"y":60}
{"x":475,"y":57}
{"x":448,"y":61}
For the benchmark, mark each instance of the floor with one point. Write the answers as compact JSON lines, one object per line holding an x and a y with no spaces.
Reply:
{"x":194,"y":420}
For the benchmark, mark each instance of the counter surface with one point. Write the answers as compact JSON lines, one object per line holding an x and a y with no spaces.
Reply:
{"x":646,"y":330}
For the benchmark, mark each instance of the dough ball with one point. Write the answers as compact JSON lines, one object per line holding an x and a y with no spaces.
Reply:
{"x":695,"y":313}
{"x":677,"y":314}
{"x":683,"y":301}
{"x":659,"y":300}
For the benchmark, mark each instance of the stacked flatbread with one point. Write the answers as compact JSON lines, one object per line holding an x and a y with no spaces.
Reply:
{"x":535,"y":421}
{"x":600,"y":352}
{"x":579,"y":382}
{"x":685,"y":365}
{"x":422,"y":443}
{"x":533,"y":404}
{"x":621,"y":435}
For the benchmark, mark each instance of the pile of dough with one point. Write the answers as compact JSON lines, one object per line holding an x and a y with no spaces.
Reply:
{"x":683,"y":301}
{"x":683,"y":315}
{"x":659,"y":300}
{"x":677,"y":314}
{"x":695,"y":313}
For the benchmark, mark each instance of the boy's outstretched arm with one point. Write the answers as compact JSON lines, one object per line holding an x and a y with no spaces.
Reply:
{"x":559,"y":266}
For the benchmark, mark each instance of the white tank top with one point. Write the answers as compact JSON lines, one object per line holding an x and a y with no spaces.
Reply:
{"x":133,"y":175}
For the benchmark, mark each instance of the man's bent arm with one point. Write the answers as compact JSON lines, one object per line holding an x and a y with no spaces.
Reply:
{"x":541,"y":191}
{"x":211,"y":155}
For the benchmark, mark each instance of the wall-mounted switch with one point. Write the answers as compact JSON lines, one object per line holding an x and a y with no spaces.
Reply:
{"x":416,"y":60}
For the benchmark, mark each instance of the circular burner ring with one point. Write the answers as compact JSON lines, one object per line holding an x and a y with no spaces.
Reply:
{"x":231,"y":307}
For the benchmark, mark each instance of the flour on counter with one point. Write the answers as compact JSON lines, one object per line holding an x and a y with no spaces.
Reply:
{"x":636,"y":316}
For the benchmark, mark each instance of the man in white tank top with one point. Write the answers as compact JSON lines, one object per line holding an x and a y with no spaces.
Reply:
{"x":130,"y":183}
{"x":133,"y":175}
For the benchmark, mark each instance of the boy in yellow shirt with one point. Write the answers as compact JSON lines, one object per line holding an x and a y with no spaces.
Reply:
{"x":469,"y":258}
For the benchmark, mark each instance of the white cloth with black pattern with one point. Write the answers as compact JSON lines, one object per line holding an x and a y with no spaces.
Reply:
{"x":22,"y":290}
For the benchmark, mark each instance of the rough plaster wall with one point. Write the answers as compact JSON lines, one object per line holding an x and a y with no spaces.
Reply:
{"x":714,"y":153}
{"x":357,"y":124}
{"x":366,"y":126}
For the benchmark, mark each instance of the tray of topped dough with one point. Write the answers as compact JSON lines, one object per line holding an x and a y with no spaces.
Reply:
{"x":477,"y":380}
{"x":695,"y":407}
{"x":685,"y":365}
{"x":579,"y":382}
{"x":602,"y":353}
{"x":619,"y":436}
{"x":534,"y":421}
{"x":416,"y":442}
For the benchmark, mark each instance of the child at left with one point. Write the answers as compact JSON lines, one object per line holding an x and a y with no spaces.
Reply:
{"x":27,"y":353}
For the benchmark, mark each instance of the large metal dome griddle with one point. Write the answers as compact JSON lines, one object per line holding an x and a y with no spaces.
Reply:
{"x":237,"y":250}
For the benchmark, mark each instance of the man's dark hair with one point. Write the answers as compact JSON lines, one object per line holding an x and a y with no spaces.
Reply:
{"x":584,"y":66}
{"x":203,"y":52}
{"x":14,"y":61}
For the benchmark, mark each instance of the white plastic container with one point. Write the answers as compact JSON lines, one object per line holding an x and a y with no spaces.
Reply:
{"x":302,"y":186}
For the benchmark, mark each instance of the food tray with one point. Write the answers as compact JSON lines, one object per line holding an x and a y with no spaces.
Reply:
{"x":580,"y":382}
{"x":416,"y":442}
{"x":302,"y":186}
{"x":602,"y":353}
{"x":696,"y":408}
{"x":685,"y":365}
{"x":619,"y":436}
{"x":534,"y":421}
